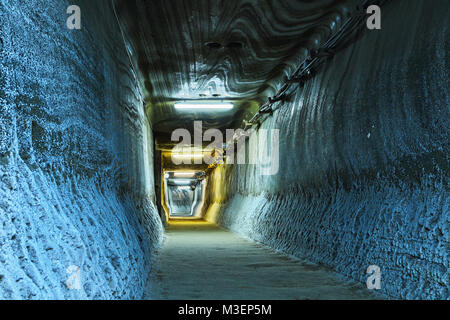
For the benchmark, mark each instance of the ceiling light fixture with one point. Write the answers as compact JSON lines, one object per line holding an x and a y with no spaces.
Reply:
{"x":184,"y":187}
{"x":184,"y":174}
{"x":204,"y":106}
{"x":181,"y":181}
{"x":187,"y":155}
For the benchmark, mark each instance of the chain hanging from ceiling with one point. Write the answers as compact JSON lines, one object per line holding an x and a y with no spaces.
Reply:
{"x":304,"y":72}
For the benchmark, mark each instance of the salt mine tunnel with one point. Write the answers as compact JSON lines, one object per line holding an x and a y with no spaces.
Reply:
{"x":224,"y":149}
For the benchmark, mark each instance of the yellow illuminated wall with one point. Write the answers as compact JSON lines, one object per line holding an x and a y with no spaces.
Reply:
{"x":217,"y":185}
{"x":217,"y":192}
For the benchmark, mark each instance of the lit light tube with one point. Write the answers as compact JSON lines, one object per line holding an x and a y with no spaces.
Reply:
{"x":184,"y":187}
{"x":184,"y":174}
{"x":204,"y":106}
{"x":187,"y":155}
{"x":181,"y":181}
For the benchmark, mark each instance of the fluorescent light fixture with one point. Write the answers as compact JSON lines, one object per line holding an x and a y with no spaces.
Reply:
{"x":204,"y":106}
{"x":184,"y":188}
{"x":187,"y":155}
{"x":184,"y":174}
{"x":181,"y":181}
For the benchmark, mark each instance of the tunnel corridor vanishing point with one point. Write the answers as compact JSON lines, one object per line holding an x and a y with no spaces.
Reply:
{"x":226,"y":150}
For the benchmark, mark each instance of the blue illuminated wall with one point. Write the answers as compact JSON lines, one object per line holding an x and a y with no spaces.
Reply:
{"x":75,"y":157}
{"x":364,"y":166}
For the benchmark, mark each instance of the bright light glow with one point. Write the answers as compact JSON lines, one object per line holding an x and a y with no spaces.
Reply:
{"x":204,"y":106}
{"x":181,"y":181}
{"x":187,"y":155}
{"x":184,"y":174}
{"x":166,"y":175}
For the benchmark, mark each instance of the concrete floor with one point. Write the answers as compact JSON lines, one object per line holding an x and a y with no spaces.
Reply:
{"x":199,"y":261}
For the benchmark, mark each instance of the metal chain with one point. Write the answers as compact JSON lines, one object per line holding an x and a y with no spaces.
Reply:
{"x":304,"y":71}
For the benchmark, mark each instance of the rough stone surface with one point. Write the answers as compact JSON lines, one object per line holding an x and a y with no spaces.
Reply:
{"x":75,"y":156}
{"x":364,"y":168}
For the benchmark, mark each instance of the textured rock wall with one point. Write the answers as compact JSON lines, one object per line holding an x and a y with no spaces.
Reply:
{"x":76,"y":176}
{"x":364,"y":165}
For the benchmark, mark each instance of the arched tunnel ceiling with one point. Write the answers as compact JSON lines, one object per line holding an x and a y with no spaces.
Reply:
{"x":221,"y":49}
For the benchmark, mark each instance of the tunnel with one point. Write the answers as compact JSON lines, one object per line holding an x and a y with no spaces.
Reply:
{"x":212,"y":149}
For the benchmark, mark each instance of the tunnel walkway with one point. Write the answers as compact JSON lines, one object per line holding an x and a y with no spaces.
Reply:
{"x":200,"y":261}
